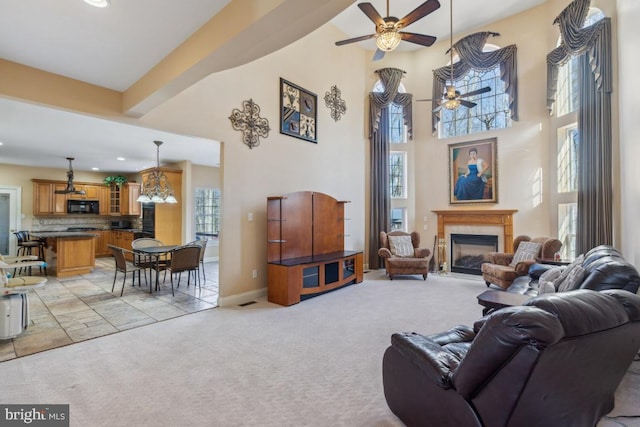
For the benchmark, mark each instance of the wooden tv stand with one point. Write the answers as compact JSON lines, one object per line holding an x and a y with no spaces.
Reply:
{"x":305,"y":247}
{"x":294,"y":279}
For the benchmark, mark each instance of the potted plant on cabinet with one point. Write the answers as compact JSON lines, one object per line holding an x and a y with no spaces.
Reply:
{"x":115,"y":179}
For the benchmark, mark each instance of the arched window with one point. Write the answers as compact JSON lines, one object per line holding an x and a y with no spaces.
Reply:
{"x":492,"y":109}
{"x":567,"y":94}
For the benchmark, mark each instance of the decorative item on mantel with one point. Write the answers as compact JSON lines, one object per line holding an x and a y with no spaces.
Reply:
{"x":249,"y":122}
{"x":337,"y":105}
{"x":115,"y":179}
{"x":155,"y":186}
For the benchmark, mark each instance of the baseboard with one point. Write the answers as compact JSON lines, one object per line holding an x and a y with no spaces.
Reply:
{"x":241,"y":298}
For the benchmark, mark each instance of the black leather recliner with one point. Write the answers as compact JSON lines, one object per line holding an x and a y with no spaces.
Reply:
{"x":556,"y":361}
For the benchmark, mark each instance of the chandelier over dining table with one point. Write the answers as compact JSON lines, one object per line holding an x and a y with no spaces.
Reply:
{"x":156,"y":187}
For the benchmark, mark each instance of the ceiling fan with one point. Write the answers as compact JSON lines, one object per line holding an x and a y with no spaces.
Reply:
{"x":388,"y":34}
{"x":451,"y":98}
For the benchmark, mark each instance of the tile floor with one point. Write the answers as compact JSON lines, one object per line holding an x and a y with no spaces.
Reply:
{"x":73,"y":309}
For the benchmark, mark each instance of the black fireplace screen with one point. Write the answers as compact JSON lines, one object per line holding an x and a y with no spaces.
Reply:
{"x":469,"y":251}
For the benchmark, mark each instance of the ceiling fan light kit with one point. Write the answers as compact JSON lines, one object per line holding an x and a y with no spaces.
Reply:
{"x":388,"y":35}
{"x":388,"y":40}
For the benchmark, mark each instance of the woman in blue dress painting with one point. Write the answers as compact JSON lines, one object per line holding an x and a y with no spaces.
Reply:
{"x":470,"y":186}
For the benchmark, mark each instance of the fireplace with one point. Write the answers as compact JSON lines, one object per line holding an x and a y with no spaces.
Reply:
{"x":490,"y":222}
{"x":469,"y":251}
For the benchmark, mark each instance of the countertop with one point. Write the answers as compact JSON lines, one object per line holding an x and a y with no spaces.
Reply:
{"x":62,"y":234}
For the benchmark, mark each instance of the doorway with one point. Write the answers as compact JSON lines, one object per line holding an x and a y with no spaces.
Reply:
{"x":9,"y":218}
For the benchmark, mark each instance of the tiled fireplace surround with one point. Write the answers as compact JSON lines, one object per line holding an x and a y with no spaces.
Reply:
{"x":466,"y":221}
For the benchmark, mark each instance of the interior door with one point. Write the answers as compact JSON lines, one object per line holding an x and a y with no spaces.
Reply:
{"x":9,"y":218}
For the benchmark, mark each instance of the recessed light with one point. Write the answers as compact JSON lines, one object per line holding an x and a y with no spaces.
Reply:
{"x":121,"y":159}
{"x":1,"y":143}
{"x":98,"y":3}
{"x":95,"y":169}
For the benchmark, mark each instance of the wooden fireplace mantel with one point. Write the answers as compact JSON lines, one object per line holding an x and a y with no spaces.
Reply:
{"x":502,"y":218}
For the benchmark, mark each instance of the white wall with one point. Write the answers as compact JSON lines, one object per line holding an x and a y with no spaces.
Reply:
{"x":280,"y":164}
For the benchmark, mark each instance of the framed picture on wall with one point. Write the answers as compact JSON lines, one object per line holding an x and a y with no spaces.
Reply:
{"x":473,"y":175}
{"x":298,"y":112}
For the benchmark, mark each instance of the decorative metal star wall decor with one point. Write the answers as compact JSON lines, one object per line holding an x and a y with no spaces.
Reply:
{"x":249,"y":122}
{"x":333,"y":101}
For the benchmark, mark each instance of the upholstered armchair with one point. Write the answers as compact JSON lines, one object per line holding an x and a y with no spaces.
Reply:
{"x":556,"y":361}
{"x":402,"y":254}
{"x":503,"y":268}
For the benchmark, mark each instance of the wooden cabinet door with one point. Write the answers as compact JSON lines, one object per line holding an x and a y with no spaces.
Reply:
{"x":114,"y":200}
{"x":42,"y":198}
{"x":102,"y":241}
{"x":135,"y":207}
{"x":103,"y":199}
{"x":92,"y":192}
{"x":59,"y":202}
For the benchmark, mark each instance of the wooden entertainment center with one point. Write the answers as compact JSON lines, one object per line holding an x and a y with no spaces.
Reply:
{"x":305,"y":247}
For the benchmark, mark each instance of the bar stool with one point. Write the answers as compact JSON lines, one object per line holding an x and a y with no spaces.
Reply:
{"x":31,"y":247}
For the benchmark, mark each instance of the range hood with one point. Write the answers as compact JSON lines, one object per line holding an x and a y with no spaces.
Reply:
{"x":71,"y":189}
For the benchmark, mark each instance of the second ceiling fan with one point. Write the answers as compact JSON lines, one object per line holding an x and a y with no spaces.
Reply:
{"x":388,"y":34}
{"x":452,"y":98}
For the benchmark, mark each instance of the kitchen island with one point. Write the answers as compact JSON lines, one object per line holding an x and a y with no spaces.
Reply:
{"x":69,"y":253}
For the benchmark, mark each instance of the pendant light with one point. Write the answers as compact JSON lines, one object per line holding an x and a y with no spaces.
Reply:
{"x":70,"y":189}
{"x":155,"y":186}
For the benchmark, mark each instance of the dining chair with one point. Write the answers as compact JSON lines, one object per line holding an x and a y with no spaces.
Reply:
{"x":148,"y":262}
{"x":184,"y":258}
{"x":202,"y":244}
{"x":123,"y":266}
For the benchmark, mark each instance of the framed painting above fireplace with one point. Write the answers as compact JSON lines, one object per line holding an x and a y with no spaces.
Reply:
{"x":473,"y":174}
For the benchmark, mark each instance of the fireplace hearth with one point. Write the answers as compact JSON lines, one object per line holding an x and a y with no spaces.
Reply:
{"x":469,"y":251}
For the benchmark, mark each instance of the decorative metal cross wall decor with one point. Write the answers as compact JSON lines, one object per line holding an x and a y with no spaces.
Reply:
{"x":249,"y":122}
{"x":333,"y":101}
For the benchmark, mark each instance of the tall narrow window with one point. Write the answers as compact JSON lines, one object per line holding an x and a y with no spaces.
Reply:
{"x":207,"y":212}
{"x":568,"y":159}
{"x":567,"y":220}
{"x":399,"y":219}
{"x":567,"y":147}
{"x":398,"y":174}
{"x":397,"y":129}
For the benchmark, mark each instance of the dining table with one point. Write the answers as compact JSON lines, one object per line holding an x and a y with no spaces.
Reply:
{"x":155,"y":253}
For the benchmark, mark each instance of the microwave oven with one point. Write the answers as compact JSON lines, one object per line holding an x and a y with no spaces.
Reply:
{"x":83,"y":207}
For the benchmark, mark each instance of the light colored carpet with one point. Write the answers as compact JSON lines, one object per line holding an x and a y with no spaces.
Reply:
{"x":317,"y":363}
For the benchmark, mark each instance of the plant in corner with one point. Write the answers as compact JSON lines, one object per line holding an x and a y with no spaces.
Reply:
{"x":118,"y":180}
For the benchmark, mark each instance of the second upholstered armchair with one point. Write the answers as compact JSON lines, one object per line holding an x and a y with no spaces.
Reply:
{"x":402,"y":254}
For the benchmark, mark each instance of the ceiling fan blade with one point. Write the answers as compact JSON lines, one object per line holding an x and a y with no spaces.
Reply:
{"x":467,"y":104}
{"x":378,"y":55}
{"x":438,"y":108}
{"x":355,"y":39}
{"x":419,"y":12}
{"x":476,"y":92}
{"x":420,"y":39}
{"x":371,"y":13}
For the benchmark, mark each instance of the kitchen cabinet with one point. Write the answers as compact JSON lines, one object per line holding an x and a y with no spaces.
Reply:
{"x":103,"y":199}
{"x":46,"y":201}
{"x":102,"y":242}
{"x":91,"y":192}
{"x":122,"y":239}
{"x":122,"y":199}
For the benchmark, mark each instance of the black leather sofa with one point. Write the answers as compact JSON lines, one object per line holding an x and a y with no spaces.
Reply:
{"x":603,"y":267}
{"x":556,"y":361}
